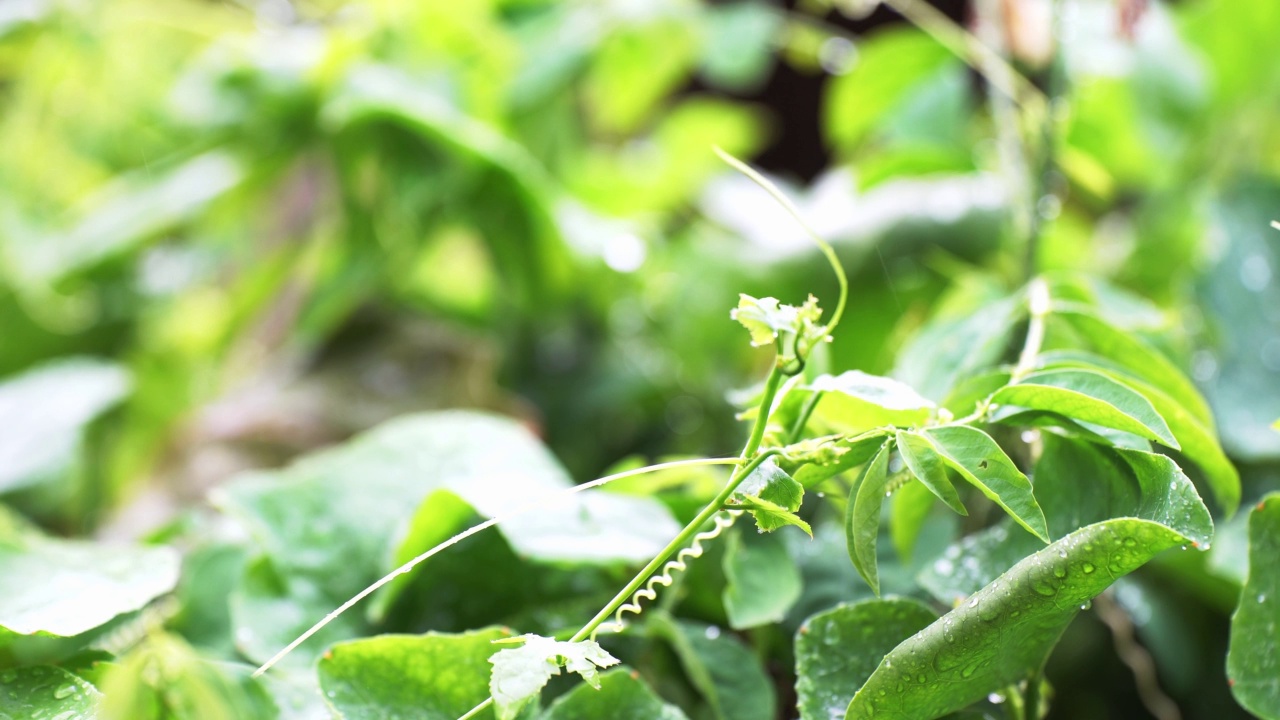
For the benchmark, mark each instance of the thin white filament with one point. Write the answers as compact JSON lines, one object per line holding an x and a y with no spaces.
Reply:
{"x":411,"y":564}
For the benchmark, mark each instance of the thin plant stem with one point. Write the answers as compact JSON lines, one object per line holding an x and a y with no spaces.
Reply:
{"x":1039,"y":304}
{"x":792,"y":210}
{"x":411,"y":564}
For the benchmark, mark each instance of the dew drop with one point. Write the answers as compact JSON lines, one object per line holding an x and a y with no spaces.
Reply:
{"x":1262,"y":597}
{"x":1059,"y":571}
{"x":65,"y":691}
{"x":995,"y":698}
{"x":973,"y":603}
{"x":712,"y":632}
{"x":1087,"y":568}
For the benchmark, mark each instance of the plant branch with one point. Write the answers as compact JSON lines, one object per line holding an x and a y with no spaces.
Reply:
{"x":411,"y":564}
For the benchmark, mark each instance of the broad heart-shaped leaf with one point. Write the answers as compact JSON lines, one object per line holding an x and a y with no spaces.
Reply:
{"x":519,"y":674}
{"x":44,"y":413}
{"x":1253,"y":662}
{"x":621,"y":696}
{"x":1198,"y":441}
{"x":979,"y":460}
{"x":929,"y":468}
{"x":409,"y":677}
{"x":838,"y":649}
{"x":772,"y":496}
{"x":67,"y":587}
{"x":723,"y":670}
{"x":1132,"y":353}
{"x":326,"y":523}
{"x":1091,"y":397}
{"x":762,"y":582}
{"x":1003,"y":633}
{"x":46,"y":692}
{"x":854,"y":400}
{"x":862,"y":516}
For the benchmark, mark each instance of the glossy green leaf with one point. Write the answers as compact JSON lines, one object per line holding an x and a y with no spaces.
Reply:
{"x":44,"y":413}
{"x":1002,"y":634}
{"x":838,"y":649}
{"x":47,"y":692}
{"x":1089,"y":396}
{"x":1198,"y":441}
{"x":401,"y":677}
{"x":1138,"y":357}
{"x":67,"y":587}
{"x":762,"y":581}
{"x":723,"y":670}
{"x":862,"y":516}
{"x":621,"y":696}
{"x":519,"y":674}
{"x":1253,"y":662}
{"x":979,"y":460}
{"x":929,"y":468}
{"x":853,"y":452}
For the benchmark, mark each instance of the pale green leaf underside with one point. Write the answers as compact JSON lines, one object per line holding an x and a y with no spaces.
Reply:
{"x":862,"y":518}
{"x":1253,"y":662}
{"x":519,"y":674}
{"x":1091,"y":397}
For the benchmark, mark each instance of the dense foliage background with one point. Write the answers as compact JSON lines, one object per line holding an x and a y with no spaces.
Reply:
{"x":235,"y":235}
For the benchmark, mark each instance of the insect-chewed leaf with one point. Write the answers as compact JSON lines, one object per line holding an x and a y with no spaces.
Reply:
{"x":1089,"y":396}
{"x":1253,"y":662}
{"x":862,"y":518}
{"x":929,"y":468}
{"x":519,"y":674}
{"x":980,"y":461}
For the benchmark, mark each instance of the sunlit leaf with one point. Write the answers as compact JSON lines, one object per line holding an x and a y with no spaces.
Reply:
{"x":42,"y":691}
{"x":929,"y":468}
{"x":1089,"y":396}
{"x":979,"y":460}
{"x":519,"y":674}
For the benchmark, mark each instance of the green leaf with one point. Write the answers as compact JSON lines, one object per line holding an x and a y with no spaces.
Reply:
{"x":838,"y":649}
{"x":47,"y":692}
{"x":1136,"y":356}
{"x":772,"y":496}
{"x":852,"y":452}
{"x":981,"y":462}
{"x":862,"y":518}
{"x":1091,"y":397}
{"x":929,"y":468}
{"x":44,"y":445}
{"x":858,"y":401}
{"x":908,"y":512}
{"x":398,"y":677}
{"x":1253,"y":662}
{"x":953,"y":347}
{"x":1004,"y":632}
{"x":519,"y":674}
{"x":1198,"y":441}
{"x":762,"y":582}
{"x":620,"y":696}
{"x":67,"y":587}
{"x":723,"y":670}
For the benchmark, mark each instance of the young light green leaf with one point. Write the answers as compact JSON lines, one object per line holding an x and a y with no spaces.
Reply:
{"x":720,"y":667}
{"x":772,"y":496}
{"x":620,"y":696}
{"x":768,"y":320}
{"x":1198,"y":441}
{"x":1089,"y":396}
{"x":862,"y":517}
{"x":1002,"y":634}
{"x":854,"y":452}
{"x":396,"y":677}
{"x":1253,"y":662}
{"x":979,"y":460}
{"x":858,"y":401}
{"x":42,"y":691}
{"x":929,"y":468}
{"x":519,"y":674}
{"x":761,"y":580}
{"x":838,"y":649}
